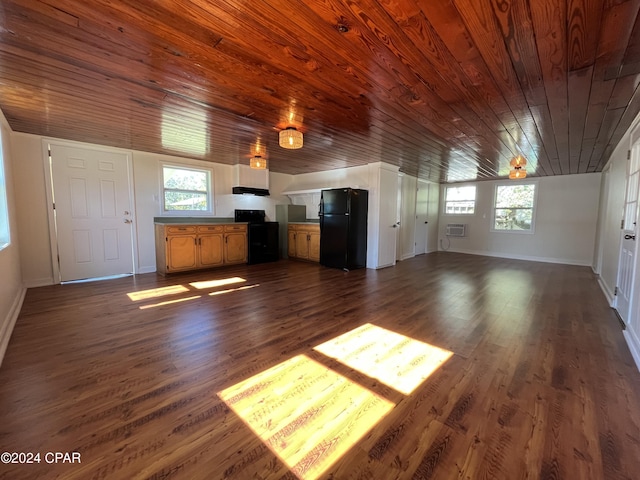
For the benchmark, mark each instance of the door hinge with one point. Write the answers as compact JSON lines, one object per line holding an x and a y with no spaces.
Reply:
{"x":628,"y":154}
{"x":615,"y":292}
{"x":54,"y":206}
{"x":622,"y":224}
{"x":49,"y":152}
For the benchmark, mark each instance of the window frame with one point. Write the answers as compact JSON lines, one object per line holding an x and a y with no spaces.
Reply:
{"x":5,"y":227}
{"x":209,"y":193}
{"x":475,"y":199}
{"x":534,"y":207}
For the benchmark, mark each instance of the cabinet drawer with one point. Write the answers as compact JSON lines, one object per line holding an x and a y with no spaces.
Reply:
{"x":235,"y":228}
{"x":183,"y":229}
{"x":210,"y":229}
{"x":305,"y":227}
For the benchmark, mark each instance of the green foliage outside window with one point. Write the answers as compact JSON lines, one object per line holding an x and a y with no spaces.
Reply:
{"x":514,"y":207}
{"x":186,"y":189}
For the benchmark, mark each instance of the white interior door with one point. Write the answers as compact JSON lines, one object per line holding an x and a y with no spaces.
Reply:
{"x":92,"y":212}
{"x":388,"y":218}
{"x":626,"y":269}
{"x":422,"y":210}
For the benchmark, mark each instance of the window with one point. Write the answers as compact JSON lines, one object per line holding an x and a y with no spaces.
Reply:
{"x":5,"y":237}
{"x":460,"y":200}
{"x":186,"y":189}
{"x":514,"y":208}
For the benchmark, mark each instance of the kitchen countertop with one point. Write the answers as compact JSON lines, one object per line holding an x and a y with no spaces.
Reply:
{"x":194,"y":220}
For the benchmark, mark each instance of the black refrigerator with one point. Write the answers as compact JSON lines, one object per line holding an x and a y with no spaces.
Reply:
{"x":343,"y":228}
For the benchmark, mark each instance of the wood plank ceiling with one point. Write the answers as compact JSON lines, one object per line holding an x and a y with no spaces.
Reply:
{"x":447,"y":90}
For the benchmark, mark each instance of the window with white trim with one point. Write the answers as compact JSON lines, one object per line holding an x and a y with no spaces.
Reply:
{"x":514,"y":208}
{"x":460,"y":200}
{"x":186,"y":190}
{"x":5,"y":234}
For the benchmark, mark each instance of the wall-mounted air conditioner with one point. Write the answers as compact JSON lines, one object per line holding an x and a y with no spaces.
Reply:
{"x":456,"y":229}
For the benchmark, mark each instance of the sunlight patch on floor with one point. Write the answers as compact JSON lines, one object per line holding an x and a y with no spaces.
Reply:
{"x":306,"y":413}
{"x":398,"y":361}
{"x":217,"y":283}
{"x":157,"y":292}
{"x":246,"y":287}
{"x":168,"y":302}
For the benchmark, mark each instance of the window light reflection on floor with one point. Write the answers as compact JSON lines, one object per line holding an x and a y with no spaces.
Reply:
{"x":246,"y":287}
{"x":217,"y":283}
{"x":306,"y":413}
{"x":157,"y":292}
{"x":168,"y":302}
{"x":399,"y":362}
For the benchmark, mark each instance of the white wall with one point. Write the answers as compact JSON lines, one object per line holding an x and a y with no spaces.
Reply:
{"x":433,"y":216}
{"x":32,"y":205}
{"x":565,"y":223}
{"x":11,"y":287}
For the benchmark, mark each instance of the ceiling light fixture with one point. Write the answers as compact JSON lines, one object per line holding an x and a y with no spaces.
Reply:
{"x":258,"y":163}
{"x":518,"y":171}
{"x":290,"y":138}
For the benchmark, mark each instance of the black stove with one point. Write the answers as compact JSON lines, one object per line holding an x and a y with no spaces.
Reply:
{"x":262,"y":237}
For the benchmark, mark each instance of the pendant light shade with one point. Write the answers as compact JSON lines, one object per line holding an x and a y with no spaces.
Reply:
{"x":518,"y":161}
{"x":258,"y":163}
{"x":517,"y":168}
{"x":290,"y":138}
{"x":517,"y":173}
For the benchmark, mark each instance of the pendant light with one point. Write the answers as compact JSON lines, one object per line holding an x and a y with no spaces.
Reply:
{"x":518,"y":171}
{"x":258,"y":163}
{"x":290,"y":138}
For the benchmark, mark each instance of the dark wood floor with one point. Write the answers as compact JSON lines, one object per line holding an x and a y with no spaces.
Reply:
{"x":540,"y":384}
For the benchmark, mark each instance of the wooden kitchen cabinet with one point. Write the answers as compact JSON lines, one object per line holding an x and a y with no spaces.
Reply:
{"x":304,"y":241}
{"x":211,"y":245}
{"x":235,"y":244}
{"x":191,"y":247}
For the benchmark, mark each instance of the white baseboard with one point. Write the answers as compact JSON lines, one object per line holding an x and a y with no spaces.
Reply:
{"x":563,"y":261}
{"x":407,"y":256}
{"x":39,"y":282}
{"x":10,"y":322}
{"x":634,"y":345}
{"x":607,"y":291}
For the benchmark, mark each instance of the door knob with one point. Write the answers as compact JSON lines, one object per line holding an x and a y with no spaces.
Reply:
{"x":629,"y":237}
{"x":126,"y":220}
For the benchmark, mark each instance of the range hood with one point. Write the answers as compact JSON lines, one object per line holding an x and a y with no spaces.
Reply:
{"x":251,"y":181}
{"x":262,"y":192}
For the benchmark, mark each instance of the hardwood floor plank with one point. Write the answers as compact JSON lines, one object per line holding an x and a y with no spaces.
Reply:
{"x":539,"y":384}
